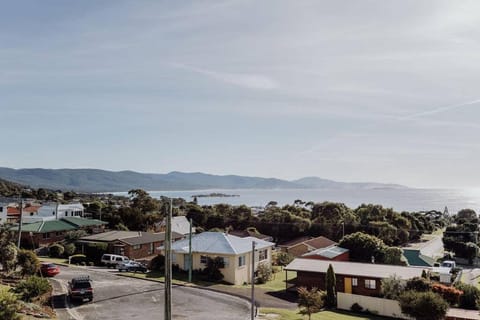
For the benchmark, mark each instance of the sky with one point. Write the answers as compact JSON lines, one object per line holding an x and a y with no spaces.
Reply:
{"x":377,"y":91}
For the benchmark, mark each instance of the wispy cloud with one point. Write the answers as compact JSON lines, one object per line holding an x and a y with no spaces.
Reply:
{"x":438,"y":110}
{"x":247,"y":80}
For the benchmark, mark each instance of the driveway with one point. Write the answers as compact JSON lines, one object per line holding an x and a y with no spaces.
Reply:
{"x":119,"y":298}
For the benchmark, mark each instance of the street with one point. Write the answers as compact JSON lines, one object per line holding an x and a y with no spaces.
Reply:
{"x":117,"y":297}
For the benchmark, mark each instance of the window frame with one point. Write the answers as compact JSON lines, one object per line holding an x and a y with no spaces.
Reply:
{"x":370,"y":284}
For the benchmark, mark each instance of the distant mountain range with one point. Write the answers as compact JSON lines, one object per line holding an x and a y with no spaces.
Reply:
{"x":94,"y":180}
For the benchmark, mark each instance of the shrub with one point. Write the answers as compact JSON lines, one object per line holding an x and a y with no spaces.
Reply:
{"x":470,"y":297}
{"x":78,"y":259}
{"x":264,"y":272}
{"x":69,"y":249}
{"x":158,"y":263}
{"x":450,"y":294}
{"x":423,"y":305}
{"x":282,"y":258}
{"x":32,"y":288}
{"x":56,"y":250}
{"x":28,"y":262}
{"x":212,"y":270}
{"x":418,"y":284}
{"x":9,"y":305}
{"x":74,"y":235}
{"x":356,"y":308}
{"x":310,"y":301}
{"x":9,"y":257}
{"x":392,"y":287}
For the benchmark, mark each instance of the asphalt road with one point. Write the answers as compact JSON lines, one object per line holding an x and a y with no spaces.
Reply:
{"x":120,"y":298}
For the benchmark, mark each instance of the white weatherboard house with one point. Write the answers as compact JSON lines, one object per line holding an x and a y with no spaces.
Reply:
{"x":235,"y":251}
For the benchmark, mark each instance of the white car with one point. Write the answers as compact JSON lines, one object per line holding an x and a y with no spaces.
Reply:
{"x":132,"y":266}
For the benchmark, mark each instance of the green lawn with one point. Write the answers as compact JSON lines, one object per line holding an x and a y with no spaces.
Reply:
{"x":283,"y":314}
{"x":53,"y":260}
{"x":177,"y":278}
{"x":278,"y":280}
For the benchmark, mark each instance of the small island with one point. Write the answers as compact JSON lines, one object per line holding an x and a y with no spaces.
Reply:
{"x":214,"y":195}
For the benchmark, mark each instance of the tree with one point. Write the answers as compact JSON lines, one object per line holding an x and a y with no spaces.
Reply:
{"x":330,"y":285}
{"x":418,"y":284}
{"x":55,"y":250}
{"x":393,"y":255}
{"x":470,"y":297}
{"x":392,"y":287}
{"x":363,"y":247}
{"x":310,"y":301}
{"x":264,"y":272}
{"x":9,"y":257}
{"x":28,"y":262}
{"x":423,"y":305}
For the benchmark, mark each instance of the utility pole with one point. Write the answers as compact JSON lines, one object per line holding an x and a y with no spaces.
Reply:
{"x":190,"y":262}
{"x":253,"y":282}
{"x":343,"y":229}
{"x":20,"y":224}
{"x":168,"y":264}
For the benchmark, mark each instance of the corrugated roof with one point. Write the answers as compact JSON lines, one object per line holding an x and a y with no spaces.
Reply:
{"x":329,"y":252}
{"x":355,"y":269}
{"x":414,"y":258}
{"x":47,"y":226}
{"x":111,"y":236}
{"x":148,"y":237}
{"x":220,"y":243}
{"x":82,"y":222}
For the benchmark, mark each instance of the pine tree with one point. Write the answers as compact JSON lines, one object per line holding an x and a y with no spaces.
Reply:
{"x":330,"y":281}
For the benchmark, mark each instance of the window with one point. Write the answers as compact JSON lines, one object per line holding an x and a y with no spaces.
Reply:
{"x":370,"y":284}
{"x":203,"y":259}
{"x":354,"y":282}
{"x":241,"y":261}
{"x":136,"y":247}
{"x":150,"y":250}
{"x":58,"y":233}
{"x":262,"y":254}
{"x":46,"y":235}
{"x":1,"y":209}
{"x":53,"y":213}
{"x":226,"y":262}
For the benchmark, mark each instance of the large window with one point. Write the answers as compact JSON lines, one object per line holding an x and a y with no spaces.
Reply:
{"x":203,"y":259}
{"x":354,"y":282}
{"x":226,"y":262}
{"x":241,"y":261}
{"x":137,"y":246}
{"x":46,"y":235}
{"x":370,"y":284}
{"x":262,"y":255}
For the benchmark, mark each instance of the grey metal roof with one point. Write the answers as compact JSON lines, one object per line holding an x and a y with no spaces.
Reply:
{"x":372,"y":270}
{"x":111,"y":236}
{"x":219,"y":243}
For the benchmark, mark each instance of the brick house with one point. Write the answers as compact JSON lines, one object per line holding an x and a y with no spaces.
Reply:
{"x":300,"y":246}
{"x":43,"y":233}
{"x":133,"y":244}
{"x":352,"y":277}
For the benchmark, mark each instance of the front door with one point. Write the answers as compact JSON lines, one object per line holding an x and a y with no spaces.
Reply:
{"x":348,"y":285}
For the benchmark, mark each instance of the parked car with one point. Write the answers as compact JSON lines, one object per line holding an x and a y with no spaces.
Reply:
{"x":132,"y":266}
{"x":80,"y":288}
{"x":112,"y":260}
{"x":49,"y":269}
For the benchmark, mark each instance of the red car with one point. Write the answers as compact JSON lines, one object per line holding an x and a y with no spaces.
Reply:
{"x":49,"y":269}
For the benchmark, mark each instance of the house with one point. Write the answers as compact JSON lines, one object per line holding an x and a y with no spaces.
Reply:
{"x":180,"y":224}
{"x":249,"y":233}
{"x":133,"y":244}
{"x":334,"y":253}
{"x":236,"y":253}
{"x":424,"y":253}
{"x":53,"y":211}
{"x":43,"y":233}
{"x":300,"y":246}
{"x":352,"y":277}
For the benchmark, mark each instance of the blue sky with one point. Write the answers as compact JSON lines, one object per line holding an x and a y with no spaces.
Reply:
{"x":383,"y":91}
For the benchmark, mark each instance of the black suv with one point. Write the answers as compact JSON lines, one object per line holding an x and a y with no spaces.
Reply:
{"x":80,"y":288}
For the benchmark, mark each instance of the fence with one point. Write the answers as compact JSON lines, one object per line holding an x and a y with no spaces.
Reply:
{"x":382,"y":307}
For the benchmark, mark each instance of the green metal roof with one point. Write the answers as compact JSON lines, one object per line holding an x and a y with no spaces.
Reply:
{"x":414,"y":258}
{"x":82,"y":222}
{"x":47,"y":226}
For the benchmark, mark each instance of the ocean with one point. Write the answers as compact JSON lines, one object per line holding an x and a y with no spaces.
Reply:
{"x":407,"y":199}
